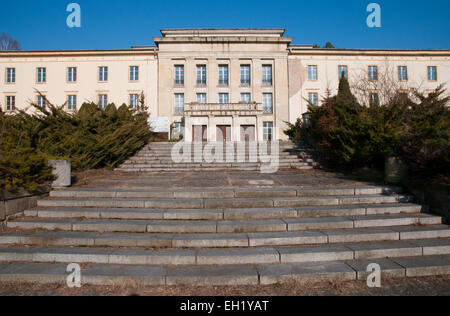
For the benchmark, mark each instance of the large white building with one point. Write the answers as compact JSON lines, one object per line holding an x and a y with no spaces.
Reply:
{"x":215,"y":84}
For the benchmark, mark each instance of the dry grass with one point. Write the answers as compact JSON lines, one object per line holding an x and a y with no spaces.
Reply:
{"x":429,"y":286}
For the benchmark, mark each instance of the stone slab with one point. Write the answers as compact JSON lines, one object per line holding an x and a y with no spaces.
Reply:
{"x":303,"y":224}
{"x":433,"y":247}
{"x":213,"y":276}
{"x":314,"y":254}
{"x":237,"y":256}
{"x":119,"y":275}
{"x":330,"y":211}
{"x":305,"y":273}
{"x":425,"y":266}
{"x":422,"y":232}
{"x":251,"y":226}
{"x":164,"y":257}
{"x":182,"y":227}
{"x":286,"y":238}
{"x":389,"y":269}
{"x":133,"y":240}
{"x":361,"y":235}
{"x":210,"y":241}
{"x":389,"y":249}
{"x":259,"y":213}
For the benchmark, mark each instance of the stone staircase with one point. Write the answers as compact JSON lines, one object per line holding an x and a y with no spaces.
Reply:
{"x":157,"y":157}
{"x":248,"y":236}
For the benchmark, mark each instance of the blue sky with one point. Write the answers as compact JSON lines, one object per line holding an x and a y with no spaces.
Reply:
{"x":41,"y":25}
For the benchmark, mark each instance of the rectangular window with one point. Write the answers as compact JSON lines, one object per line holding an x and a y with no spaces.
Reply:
{"x":179,"y":103}
{"x":432,"y":73}
{"x":40,"y":101}
{"x":312,"y":72}
{"x":267,"y":75}
{"x":134,"y":73}
{"x":10,"y":103}
{"x":103,"y":74}
{"x":201,"y":98}
{"x":246,"y":97}
{"x":223,"y":75}
{"x":134,"y":101}
{"x":267,"y":103}
{"x":41,"y":75}
{"x":201,"y":75}
{"x":71,"y":102}
{"x":103,"y":101}
{"x":245,"y":75}
{"x":224,"y":98}
{"x":268,"y":131}
{"x":10,"y":75}
{"x":373,"y":73}
{"x":179,"y":75}
{"x":313,"y":98}
{"x":402,"y":73}
{"x":343,"y":72}
{"x":374,"y":99}
{"x":71,"y":74}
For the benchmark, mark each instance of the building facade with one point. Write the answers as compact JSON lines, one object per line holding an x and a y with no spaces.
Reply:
{"x":216,"y":84}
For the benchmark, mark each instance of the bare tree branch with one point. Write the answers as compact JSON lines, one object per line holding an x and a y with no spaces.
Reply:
{"x":8,"y":43}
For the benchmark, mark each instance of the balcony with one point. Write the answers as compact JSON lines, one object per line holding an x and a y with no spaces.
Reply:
{"x":226,"y":109}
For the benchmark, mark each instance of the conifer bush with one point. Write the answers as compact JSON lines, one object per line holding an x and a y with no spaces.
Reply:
{"x":91,"y":138}
{"x":348,"y":135}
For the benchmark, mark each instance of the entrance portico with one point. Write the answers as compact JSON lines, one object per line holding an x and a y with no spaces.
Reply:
{"x":237,"y":122}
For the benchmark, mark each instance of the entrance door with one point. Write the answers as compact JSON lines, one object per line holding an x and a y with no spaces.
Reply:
{"x":224,"y":133}
{"x":199,"y":133}
{"x":247,"y":133}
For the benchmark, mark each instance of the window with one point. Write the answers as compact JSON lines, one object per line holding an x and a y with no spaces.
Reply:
{"x":223,"y":75}
{"x":134,"y":73}
{"x":40,"y":101}
{"x":224,"y":98}
{"x":71,"y":74}
{"x":374,"y":99}
{"x":71,"y":102}
{"x":245,"y":75}
{"x":267,"y":75}
{"x":432,"y":73}
{"x":179,"y":103}
{"x":373,"y":73}
{"x":201,"y":98}
{"x":41,"y":75}
{"x":246,"y":97}
{"x":343,"y":72}
{"x":402,"y":73}
{"x":179,"y":75}
{"x":102,"y":74}
{"x":103,"y":101}
{"x":201,"y":75}
{"x":10,"y":75}
{"x":134,"y":101}
{"x":268,"y":131}
{"x":312,"y":72}
{"x":10,"y":103}
{"x":313,"y":98}
{"x":267,"y":103}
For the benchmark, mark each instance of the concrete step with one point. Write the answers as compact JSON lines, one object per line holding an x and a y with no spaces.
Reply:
{"x":229,"y":214}
{"x":224,"y":226}
{"x":230,"y":240}
{"x":226,"y":257}
{"x":227,"y":193}
{"x":206,"y":203}
{"x":267,"y":274}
